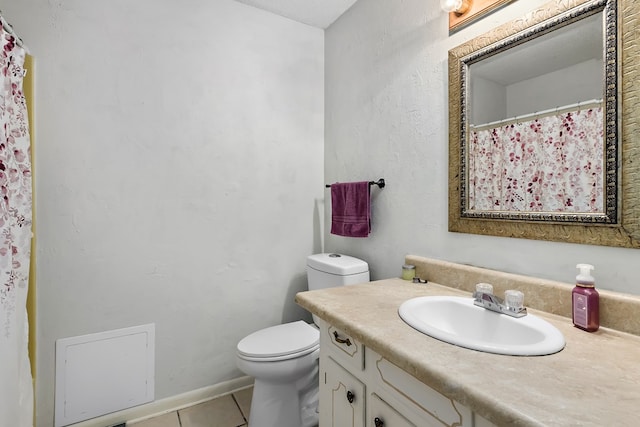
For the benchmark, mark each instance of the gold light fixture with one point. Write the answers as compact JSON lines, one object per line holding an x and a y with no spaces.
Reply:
{"x":459,"y":7}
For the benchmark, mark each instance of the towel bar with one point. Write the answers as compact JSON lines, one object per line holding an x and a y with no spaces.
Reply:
{"x":380,"y":183}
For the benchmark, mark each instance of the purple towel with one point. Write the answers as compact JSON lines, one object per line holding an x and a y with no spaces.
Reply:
{"x":351,"y":209}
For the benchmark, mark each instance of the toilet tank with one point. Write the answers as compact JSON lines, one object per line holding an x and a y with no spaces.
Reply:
{"x":331,"y":270}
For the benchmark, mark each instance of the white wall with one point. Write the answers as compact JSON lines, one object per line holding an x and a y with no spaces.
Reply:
{"x":570,"y":85}
{"x":491,"y":101}
{"x":386,"y":116}
{"x":488,"y":101}
{"x":179,"y":158}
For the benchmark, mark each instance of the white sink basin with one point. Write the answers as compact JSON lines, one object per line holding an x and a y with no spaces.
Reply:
{"x":458,"y":321}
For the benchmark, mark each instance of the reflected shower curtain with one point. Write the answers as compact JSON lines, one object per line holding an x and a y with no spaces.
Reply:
{"x":548,"y":164}
{"x":16,"y":389}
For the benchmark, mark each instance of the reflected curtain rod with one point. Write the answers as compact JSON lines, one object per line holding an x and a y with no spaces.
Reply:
{"x":380,"y":183}
{"x":558,"y":110}
{"x":8,"y":28}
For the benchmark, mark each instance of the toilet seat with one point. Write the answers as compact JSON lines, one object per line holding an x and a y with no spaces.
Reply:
{"x":280,"y":342}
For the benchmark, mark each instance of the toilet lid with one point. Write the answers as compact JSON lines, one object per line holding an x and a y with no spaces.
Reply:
{"x":280,"y":340}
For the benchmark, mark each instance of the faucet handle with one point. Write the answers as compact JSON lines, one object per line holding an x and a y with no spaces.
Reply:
{"x":484,"y":288}
{"x":514,"y":300}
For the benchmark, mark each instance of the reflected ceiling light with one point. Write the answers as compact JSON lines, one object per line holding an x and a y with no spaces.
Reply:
{"x":458,"y":7}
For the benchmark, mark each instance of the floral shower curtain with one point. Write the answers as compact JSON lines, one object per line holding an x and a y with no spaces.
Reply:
{"x":548,"y":164}
{"x":16,"y":389}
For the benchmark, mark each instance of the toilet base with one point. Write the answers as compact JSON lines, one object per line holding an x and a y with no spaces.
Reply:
{"x":285,"y":405}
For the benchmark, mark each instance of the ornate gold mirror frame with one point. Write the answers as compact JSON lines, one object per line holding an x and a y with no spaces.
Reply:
{"x":624,"y":229}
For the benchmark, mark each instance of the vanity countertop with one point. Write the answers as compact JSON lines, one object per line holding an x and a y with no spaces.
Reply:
{"x":594,"y":381}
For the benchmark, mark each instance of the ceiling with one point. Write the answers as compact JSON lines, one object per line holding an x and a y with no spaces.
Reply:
{"x":317,"y":13}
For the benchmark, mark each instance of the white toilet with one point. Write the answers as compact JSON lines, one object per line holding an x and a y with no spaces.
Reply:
{"x":283,"y":359}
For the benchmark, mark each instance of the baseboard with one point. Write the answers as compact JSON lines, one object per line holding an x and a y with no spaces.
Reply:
{"x":169,"y":404}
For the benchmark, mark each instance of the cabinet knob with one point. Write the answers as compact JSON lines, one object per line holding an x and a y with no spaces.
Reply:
{"x":378,"y":422}
{"x":350,"y":396}
{"x":341,"y":340}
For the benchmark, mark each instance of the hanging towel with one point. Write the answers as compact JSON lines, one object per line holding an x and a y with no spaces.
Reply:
{"x":351,"y":209}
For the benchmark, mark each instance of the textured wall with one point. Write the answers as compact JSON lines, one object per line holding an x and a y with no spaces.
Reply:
{"x":386,"y":115}
{"x":178,"y":165}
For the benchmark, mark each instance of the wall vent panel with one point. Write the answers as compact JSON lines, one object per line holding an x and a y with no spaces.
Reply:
{"x":101,"y":373}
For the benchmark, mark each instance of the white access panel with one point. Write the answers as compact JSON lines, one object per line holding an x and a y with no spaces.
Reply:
{"x":101,"y":373}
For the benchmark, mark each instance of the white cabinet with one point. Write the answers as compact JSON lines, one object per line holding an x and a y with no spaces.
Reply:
{"x":342,"y":397}
{"x":359,"y":388}
{"x":342,"y":392}
{"x":382,"y":414}
{"x":417,"y":402}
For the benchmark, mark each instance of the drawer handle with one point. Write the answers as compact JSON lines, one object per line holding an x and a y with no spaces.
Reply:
{"x":378,"y":422}
{"x":340,"y":340}
{"x":350,"y":396}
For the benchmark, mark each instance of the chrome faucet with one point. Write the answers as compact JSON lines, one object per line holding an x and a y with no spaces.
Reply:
{"x":513,"y":307}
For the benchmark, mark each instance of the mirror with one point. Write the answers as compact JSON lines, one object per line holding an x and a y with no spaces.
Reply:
{"x":536,"y":146}
{"x":535,"y":141}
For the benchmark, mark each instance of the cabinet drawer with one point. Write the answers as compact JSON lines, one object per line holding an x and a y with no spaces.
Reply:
{"x":342,"y":347}
{"x":423,"y":401}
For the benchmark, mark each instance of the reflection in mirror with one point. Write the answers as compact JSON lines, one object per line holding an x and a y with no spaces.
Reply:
{"x":534,"y":117}
{"x":562,"y":67}
{"x":536,"y":124}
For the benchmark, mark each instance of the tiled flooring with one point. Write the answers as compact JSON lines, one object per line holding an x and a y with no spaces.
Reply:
{"x":227,"y":411}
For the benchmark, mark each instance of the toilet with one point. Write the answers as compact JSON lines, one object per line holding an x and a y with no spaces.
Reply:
{"x":283,"y":359}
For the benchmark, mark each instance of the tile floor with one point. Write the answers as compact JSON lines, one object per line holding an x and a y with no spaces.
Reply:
{"x":231,"y":410}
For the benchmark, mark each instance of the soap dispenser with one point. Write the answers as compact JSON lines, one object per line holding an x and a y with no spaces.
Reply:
{"x":585,"y":300}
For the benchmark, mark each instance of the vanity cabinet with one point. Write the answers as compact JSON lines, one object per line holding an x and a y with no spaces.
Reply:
{"x":343,"y":394}
{"x":384,"y":415}
{"x":359,"y":388}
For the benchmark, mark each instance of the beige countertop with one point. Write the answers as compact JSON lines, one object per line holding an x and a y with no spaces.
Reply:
{"x":594,"y":381}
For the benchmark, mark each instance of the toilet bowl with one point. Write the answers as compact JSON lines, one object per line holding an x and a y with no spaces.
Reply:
{"x":283,"y":359}
{"x":285,"y":391}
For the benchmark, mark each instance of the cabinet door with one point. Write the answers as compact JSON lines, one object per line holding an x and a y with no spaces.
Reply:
{"x":383,"y":415}
{"x":342,"y":396}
